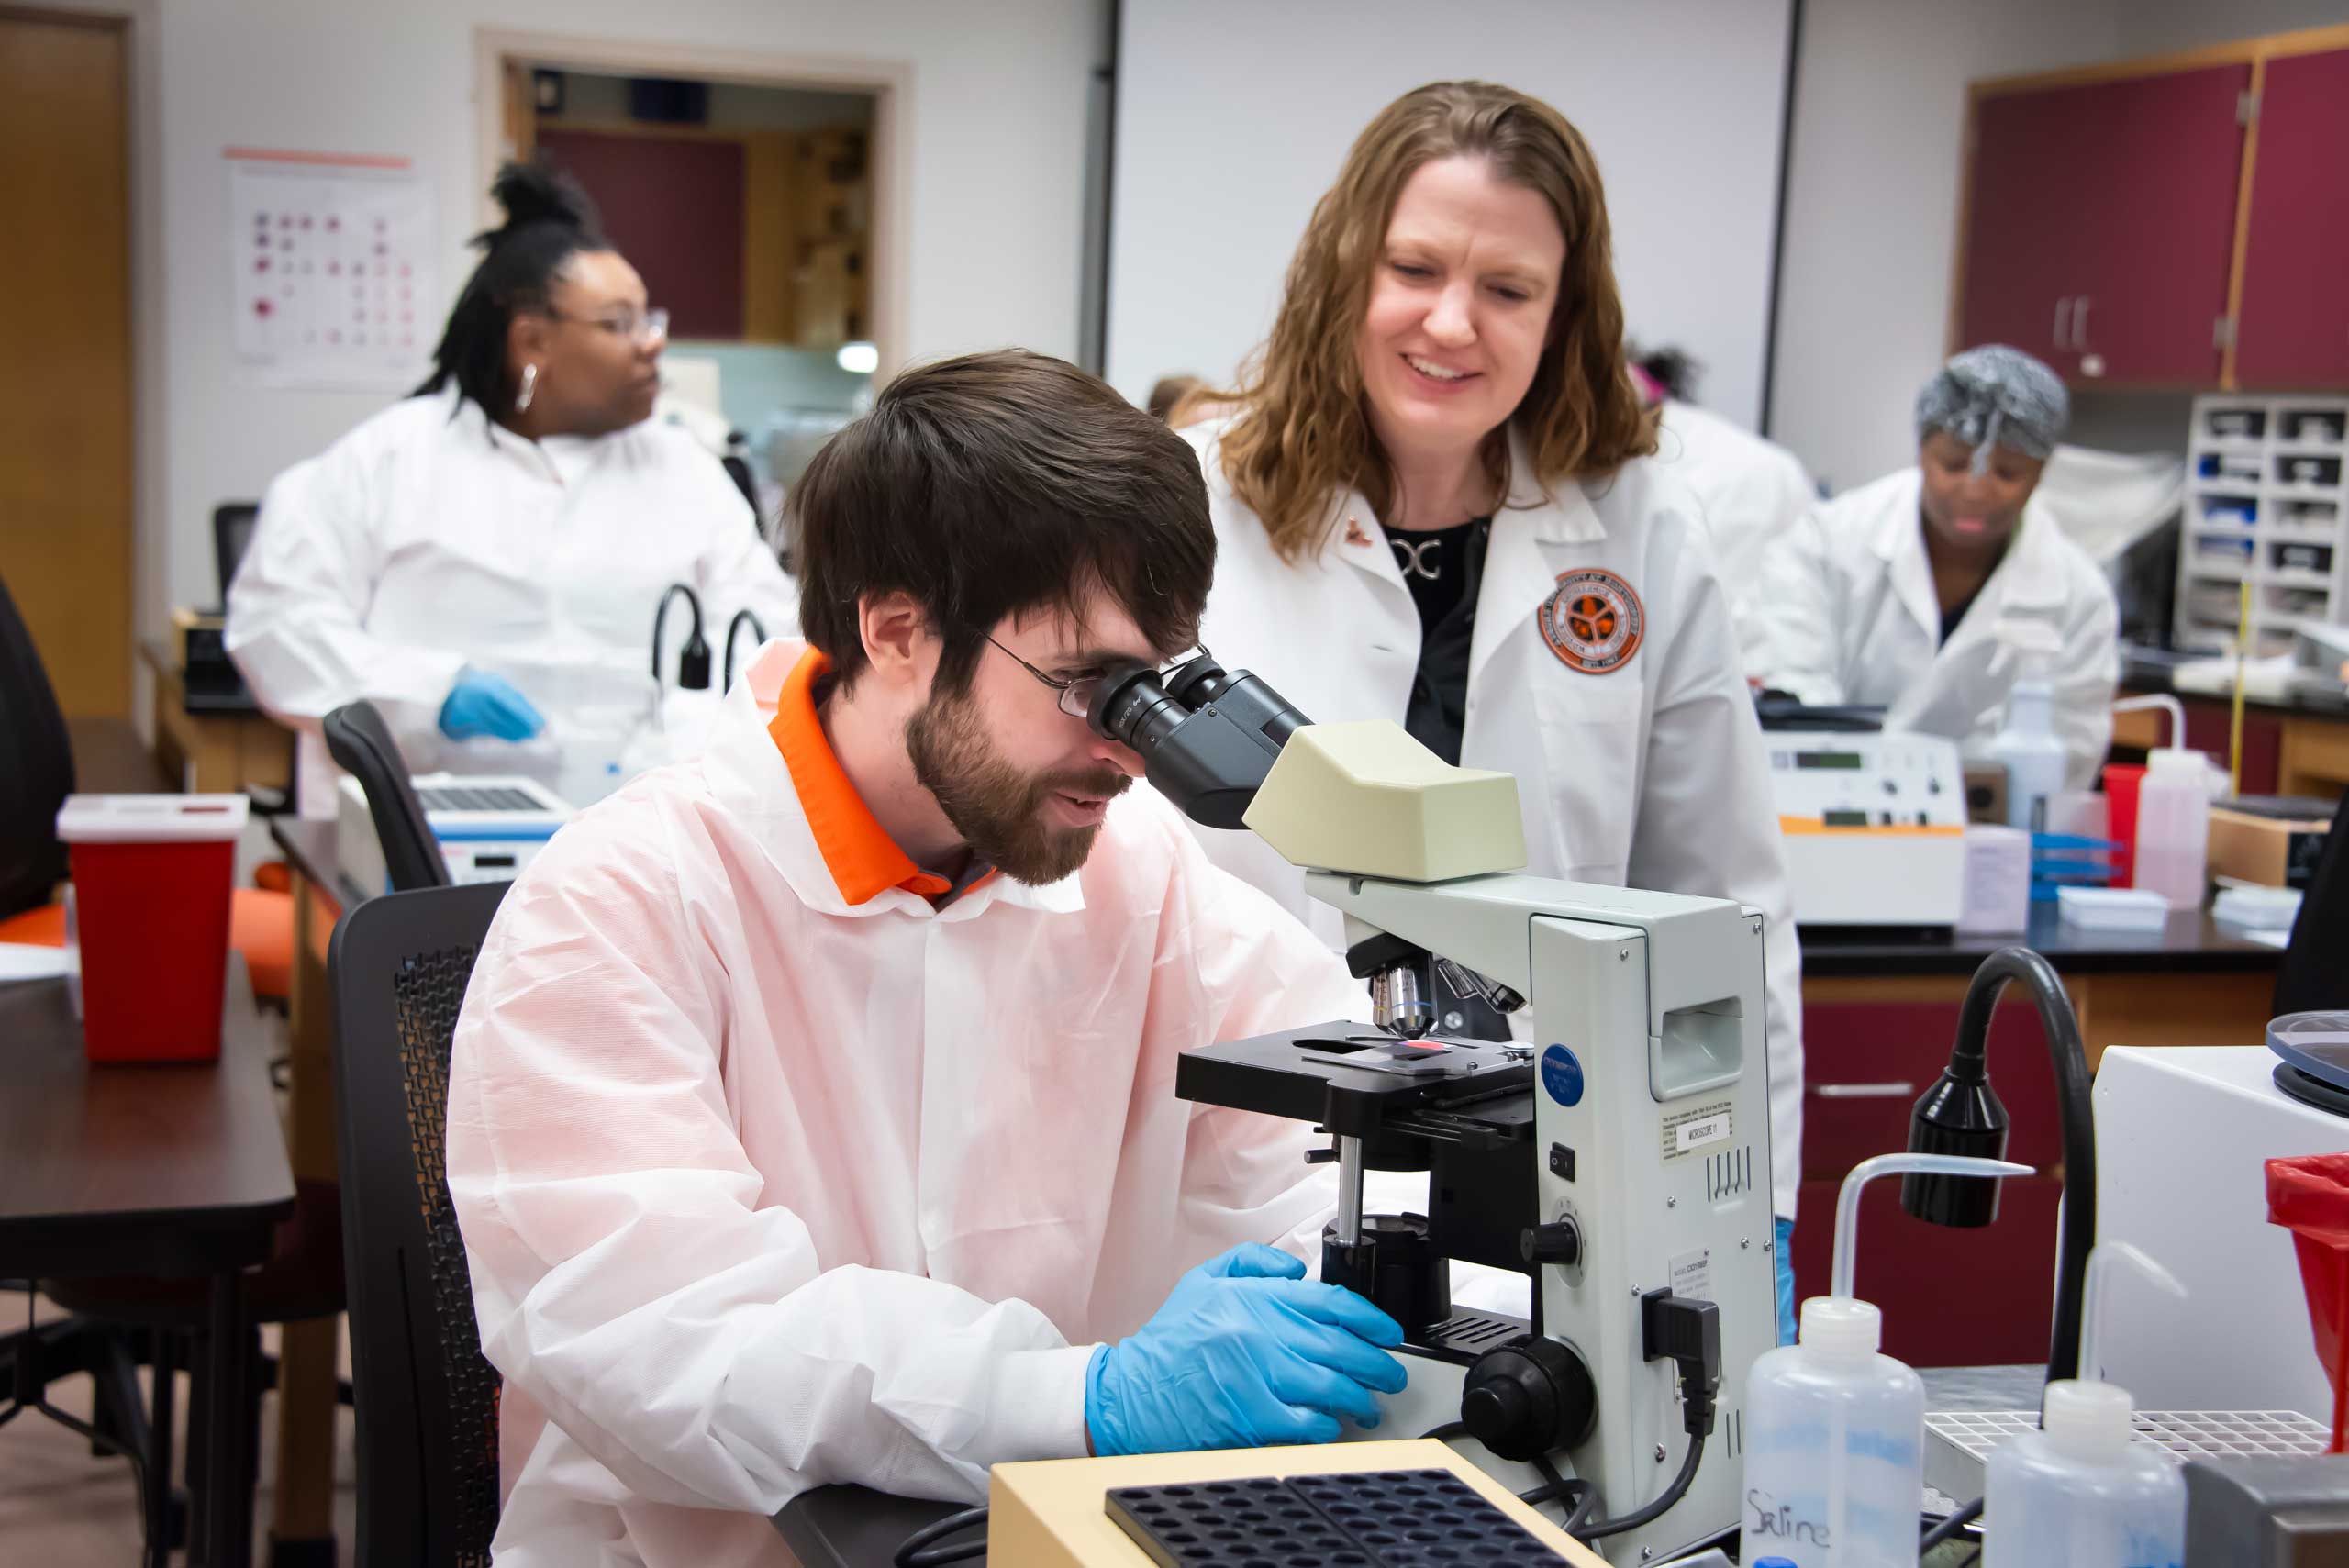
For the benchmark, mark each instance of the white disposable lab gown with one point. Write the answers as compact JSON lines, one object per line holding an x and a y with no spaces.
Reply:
{"x":1751,"y":492}
{"x":432,"y":538}
{"x":1636,"y":754}
{"x":764,"y":1190}
{"x":1850,"y":615}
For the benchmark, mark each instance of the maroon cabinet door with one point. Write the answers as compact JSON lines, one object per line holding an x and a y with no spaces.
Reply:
{"x":2026,"y":228}
{"x":674,"y":209}
{"x":2101,"y":224}
{"x":1950,"y":1297}
{"x":2295,"y":326}
{"x":2161,"y":178}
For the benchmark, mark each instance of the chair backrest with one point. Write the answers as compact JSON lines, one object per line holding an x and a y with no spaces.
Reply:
{"x":739,"y":470}
{"x":425,"y":1398}
{"x":232,"y":530}
{"x":362,"y":744}
{"x":39,"y":774}
{"x":2315,"y":972}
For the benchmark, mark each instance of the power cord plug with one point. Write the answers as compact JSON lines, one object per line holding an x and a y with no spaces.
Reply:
{"x":1687,"y":1332}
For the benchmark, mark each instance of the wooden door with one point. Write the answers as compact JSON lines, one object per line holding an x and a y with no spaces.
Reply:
{"x":2294,"y":330}
{"x":65,"y":437}
{"x":2026,"y":228}
{"x":2158,"y":178}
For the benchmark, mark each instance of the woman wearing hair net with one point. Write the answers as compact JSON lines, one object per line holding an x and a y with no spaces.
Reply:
{"x":1907,"y":593}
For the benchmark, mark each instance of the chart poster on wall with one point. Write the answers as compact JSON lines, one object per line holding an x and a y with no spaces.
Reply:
{"x":333,"y":261}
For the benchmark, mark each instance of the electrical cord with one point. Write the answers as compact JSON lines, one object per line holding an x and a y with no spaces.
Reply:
{"x":1688,"y":1332}
{"x":1555,"y":1487}
{"x":917,"y":1549}
{"x":1947,"y":1529}
{"x":1598,"y":1529}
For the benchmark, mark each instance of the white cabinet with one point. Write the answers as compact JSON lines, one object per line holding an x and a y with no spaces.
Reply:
{"x":2268,"y":505}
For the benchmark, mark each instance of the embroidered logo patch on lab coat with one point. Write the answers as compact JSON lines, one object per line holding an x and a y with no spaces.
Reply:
{"x":1592,"y":621}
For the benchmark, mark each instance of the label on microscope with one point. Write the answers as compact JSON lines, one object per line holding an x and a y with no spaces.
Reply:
{"x":1561,"y":1075}
{"x":1698,"y":1127}
{"x":1692,"y":1275}
{"x":1696,"y":1134}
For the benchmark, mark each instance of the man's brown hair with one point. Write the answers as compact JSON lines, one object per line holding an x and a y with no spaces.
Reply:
{"x":1000,"y":485}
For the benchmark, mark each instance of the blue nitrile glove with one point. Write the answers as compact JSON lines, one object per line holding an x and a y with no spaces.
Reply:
{"x":483,"y":704}
{"x":1245,"y":1353}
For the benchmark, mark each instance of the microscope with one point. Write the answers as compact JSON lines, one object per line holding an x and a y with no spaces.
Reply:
{"x":1619,"y":1153}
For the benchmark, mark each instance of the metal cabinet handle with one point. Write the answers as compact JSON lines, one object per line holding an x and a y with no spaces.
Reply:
{"x":1864,"y":1091}
{"x":2062,"y":310}
{"x":2080,"y":322}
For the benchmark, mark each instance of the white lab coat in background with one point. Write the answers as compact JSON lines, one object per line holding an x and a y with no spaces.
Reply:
{"x":1751,"y":493}
{"x":430,"y":538}
{"x":1850,"y":615}
{"x":1651,"y":775}
{"x":763,"y":1191}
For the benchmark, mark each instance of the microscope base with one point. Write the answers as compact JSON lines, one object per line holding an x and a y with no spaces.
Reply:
{"x":1432,"y":1400}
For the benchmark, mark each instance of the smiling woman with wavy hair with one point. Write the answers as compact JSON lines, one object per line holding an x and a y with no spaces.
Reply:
{"x":1306,"y":435}
{"x":1436,"y":503}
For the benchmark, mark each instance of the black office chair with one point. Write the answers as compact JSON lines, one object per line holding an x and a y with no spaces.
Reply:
{"x":38,"y":775}
{"x":2315,"y":974}
{"x":427,"y":1400}
{"x":232,"y":532}
{"x":362,"y":744}
{"x":739,"y":470}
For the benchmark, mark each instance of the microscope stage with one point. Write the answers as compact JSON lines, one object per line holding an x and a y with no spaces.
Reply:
{"x":1357,"y":1081}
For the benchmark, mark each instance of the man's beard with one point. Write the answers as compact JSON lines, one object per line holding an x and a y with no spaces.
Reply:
{"x":999,"y":810}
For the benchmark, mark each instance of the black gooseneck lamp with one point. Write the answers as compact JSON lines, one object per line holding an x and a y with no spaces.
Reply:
{"x":1960,"y":1114}
{"x":758,"y":636}
{"x":693,"y":660}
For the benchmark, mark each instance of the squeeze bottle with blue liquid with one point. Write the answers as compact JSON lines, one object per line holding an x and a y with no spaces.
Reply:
{"x":1834,"y":1429}
{"x":2078,"y":1493}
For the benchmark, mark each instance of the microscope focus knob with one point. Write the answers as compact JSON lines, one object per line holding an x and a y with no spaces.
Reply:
{"x":1529,"y":1397}
{"x":1559,"y":1242}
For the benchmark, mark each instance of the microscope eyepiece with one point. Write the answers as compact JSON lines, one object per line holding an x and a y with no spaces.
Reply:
{"x":1206,"y":738}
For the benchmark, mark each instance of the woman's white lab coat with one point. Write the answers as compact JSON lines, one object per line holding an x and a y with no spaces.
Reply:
{"x":764,"y":1190}
{"x":1625,"y":718}
{"x":1751,"y":492}
{"x":1851,"y":617}
{"x":432,"y":538}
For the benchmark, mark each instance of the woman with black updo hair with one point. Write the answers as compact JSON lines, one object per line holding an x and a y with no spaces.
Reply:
{"x":511,"y":526}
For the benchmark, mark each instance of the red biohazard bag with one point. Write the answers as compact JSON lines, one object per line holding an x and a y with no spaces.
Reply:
{"x":2309,"y":1197}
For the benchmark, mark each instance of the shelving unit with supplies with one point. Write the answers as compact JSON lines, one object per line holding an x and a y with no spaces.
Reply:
{"x":2266,"y":503}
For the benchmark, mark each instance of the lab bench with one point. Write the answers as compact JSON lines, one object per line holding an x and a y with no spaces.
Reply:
{"x":1879,"y":1016}
{"x":2297,"y":746}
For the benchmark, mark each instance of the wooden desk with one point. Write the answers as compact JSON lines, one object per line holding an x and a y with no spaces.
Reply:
{"x":175,"y":1170}
{"x":1879,"y":1018}
{"x":213,"y":753}
{"x":306,"y":1352}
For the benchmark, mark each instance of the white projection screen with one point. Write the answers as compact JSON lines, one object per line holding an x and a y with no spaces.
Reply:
{"x":1232,"y":117}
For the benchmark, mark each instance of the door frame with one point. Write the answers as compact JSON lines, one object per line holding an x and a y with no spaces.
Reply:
{"x":889,"y":81}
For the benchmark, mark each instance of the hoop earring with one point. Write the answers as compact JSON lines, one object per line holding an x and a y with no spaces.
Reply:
{"x":529,"y":389}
